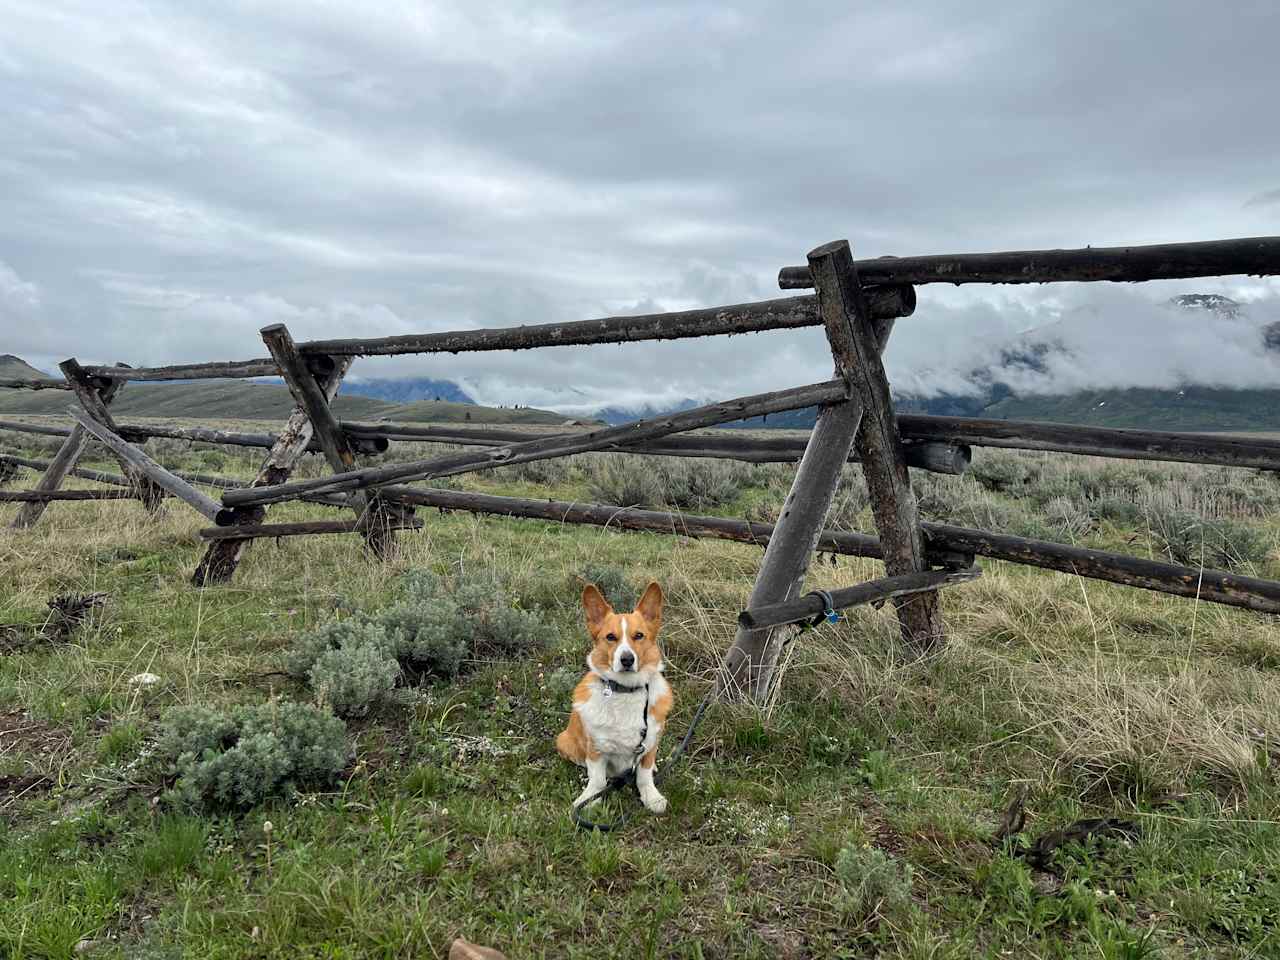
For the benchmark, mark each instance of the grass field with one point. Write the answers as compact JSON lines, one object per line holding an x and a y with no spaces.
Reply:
{"x":852,"y":817}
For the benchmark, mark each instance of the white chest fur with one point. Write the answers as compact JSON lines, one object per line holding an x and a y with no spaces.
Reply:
{"x":615,"y":721}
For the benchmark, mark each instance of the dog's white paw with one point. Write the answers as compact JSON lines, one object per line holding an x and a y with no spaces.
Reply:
{"x":655,"y":802}
{"x":586,"y":795}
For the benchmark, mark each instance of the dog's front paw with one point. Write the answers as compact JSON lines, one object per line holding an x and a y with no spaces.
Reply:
{"x":655,"y":802}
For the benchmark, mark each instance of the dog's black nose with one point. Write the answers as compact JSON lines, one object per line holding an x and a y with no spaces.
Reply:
{"x":628,"y":660}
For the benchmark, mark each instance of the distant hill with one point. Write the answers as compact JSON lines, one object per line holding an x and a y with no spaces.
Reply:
{"x":1190,"y":409}
{"x":15,"y":368}
{"x":245,"y":400}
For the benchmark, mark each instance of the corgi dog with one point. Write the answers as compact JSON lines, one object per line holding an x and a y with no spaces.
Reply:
{"x":620,"y":706}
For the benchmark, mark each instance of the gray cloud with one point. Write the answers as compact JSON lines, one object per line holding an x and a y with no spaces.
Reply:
{"x":1106,"y":337}
{"x":1264,"y":199}
{"x":177,"y":176}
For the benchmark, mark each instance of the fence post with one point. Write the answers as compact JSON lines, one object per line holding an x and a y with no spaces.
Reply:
{"x":753,"y":656}
{"x":376,"y":520}
{"x":151,"y":495}
{"x":884,"y":465}
{"x":64,"y":461}
{"x":222,"y":557}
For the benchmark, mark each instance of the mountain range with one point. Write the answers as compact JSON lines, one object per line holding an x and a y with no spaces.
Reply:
{"x":407,"y":390}
{"x":1029,"y":358}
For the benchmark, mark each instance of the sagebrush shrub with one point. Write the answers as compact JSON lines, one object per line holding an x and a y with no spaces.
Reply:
{"x":1121,"y":512}
{"x":850,"y":500}
{"x":556,"y":470}
{"x":334,"y":635}
{"x":942,"y":497}
{"x":1004,"y":471}
{"x":703,"y":484}
{"x":1192,"y":540}
{"x":614,"y":582}
{"x":633,"y":481}
{"x":354,"y":664}
{"x":239,"y":758}
{"x":352,"y":679}
{"x":959,"y":500}
{"x":872,"y":881}
{"x":1066,"y":517}
{"x":427,"y":634}
{"x":624,"y":481}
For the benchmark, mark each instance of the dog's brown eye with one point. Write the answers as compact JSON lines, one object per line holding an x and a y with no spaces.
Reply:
{"x":612,"y":637}
{"x":637,"y":636}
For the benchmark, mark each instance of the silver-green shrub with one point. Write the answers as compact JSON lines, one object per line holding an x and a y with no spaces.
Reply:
{"x":871,"y":882}
{"x":1219,"y":544}
{"x":239,"y":758}
{"x":1066,"y":517}
{"x":625,"y":481}
{"x":334,"y":635}
{"x":614,"y":582}
{"x":353,"y":665}
{"x":352,"y":679}
{"x":1004,"y":470}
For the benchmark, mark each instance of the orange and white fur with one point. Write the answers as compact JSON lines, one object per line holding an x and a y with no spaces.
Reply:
{"x":609,"y":703}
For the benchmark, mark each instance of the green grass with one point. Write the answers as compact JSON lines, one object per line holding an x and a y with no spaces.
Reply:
{"x":453,"y":815}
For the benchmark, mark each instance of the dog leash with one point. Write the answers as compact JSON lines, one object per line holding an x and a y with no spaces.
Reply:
{"x":628,"y":777}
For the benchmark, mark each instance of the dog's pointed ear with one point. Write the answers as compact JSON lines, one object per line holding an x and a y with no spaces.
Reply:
{"x":650,"y":605}
{"x":594,"y":604}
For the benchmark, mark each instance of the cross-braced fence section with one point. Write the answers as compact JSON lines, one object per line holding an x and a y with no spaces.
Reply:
{"x":855,"y":302}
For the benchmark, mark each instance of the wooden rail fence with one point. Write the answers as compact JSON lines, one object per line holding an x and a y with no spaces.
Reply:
{"x":856,"y":302}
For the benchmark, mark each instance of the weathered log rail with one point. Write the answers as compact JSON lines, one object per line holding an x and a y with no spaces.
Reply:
{"x":118,"y":480}
{"x":787,"y":313}
{"x":873,"y":591}
{"x":1163,"y":261}
{"x":145,"y":466}
{"x":953,"y":433}
{"x":140,"y":433}
{"x":944,"y":543}
{"x":302,"y":529}
{"x":375,"y":438}
{"x":34,"y":383}
{"x":48,"y":496}
{"x":546,"y":448}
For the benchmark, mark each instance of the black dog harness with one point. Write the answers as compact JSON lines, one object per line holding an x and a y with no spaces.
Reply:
{"x":628,"y":777}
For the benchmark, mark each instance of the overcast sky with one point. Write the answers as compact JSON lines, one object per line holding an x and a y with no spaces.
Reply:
{"x":173,"y":177}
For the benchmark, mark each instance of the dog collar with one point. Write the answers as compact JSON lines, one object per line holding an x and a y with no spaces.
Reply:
{"x":613,"y":686}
